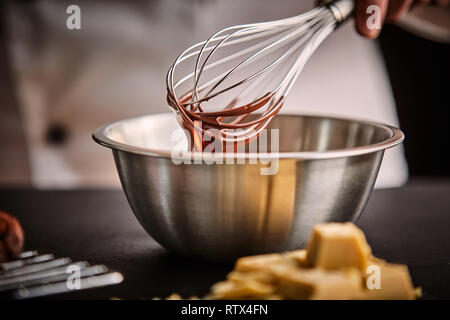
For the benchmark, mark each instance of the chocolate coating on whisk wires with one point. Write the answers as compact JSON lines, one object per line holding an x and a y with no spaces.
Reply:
{"x":288,"y":43}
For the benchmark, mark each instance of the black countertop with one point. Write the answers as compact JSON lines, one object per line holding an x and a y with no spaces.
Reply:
{"x":408,"y":225}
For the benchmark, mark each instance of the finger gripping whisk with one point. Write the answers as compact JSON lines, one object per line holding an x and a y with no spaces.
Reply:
{"x":235,"y":82}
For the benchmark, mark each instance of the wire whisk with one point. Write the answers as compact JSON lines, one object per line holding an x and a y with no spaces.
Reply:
{"x":235,"y":82}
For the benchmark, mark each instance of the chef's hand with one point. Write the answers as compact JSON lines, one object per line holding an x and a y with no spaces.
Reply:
{"x":390,"y":11}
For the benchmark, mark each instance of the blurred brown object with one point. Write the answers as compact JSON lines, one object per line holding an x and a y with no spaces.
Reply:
{"x":11,"y":237}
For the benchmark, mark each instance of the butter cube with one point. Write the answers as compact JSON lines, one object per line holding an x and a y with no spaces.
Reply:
{"x":261,"y":276}
{"x":265,"y":261}
{"x":336,"y":246}
{"x":318,"y":284}
{"x":336,"y":265}
{"x":297,"y":256}
{"x":387,"y":281}
{"x":249,"y":289}
{"x":258,"y":262}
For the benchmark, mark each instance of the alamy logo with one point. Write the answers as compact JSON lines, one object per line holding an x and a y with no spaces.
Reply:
{"x":215,"y":151}
{"x":374,"y":20}
{"x":74,"y":19}
{"x":73,"y":281}
{"x":374,"y":280}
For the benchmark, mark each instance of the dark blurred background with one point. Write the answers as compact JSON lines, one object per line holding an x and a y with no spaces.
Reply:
{"x":419,"y":71}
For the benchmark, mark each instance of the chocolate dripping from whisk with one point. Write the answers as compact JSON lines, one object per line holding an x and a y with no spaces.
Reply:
{"x":199,"y":124}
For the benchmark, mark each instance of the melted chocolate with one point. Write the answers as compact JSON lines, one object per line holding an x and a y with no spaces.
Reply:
{"x":198,"y":122}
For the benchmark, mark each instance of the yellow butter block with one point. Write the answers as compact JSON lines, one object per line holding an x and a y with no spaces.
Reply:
{"x":318,"y":284}
{"x":262,"y":276}
{"x":337,"y":245}
{"x":336,"y":265}
{"x":264,"y":261}
{"x":241,"y":290}
{"x":258,"y":262}
{"x":387,"y":281}
{"x":297,"y":256}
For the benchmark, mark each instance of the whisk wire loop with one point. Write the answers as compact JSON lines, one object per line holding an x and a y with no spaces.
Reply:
{"x":263,"y":59}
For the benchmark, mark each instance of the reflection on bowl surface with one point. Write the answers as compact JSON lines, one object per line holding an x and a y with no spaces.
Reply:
{"x":327,"y":168}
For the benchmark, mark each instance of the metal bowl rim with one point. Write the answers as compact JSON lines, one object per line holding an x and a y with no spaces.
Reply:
{"x":395,"y":138}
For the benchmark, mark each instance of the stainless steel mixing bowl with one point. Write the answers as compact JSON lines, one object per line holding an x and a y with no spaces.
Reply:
{"x":327,"y":170}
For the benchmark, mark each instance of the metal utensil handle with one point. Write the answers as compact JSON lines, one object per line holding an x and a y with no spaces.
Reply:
{"x":341,"y":9}
{"x":94,"y":281}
